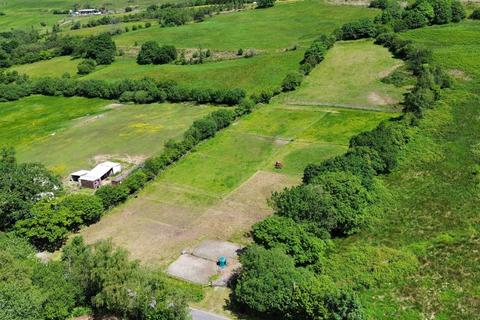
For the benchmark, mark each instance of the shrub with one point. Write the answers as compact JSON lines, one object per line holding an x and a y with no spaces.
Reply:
{"x":223,"y":118}
{"x":86,"y":66}
{"x":100,"y":48}
{"x":414,"y":19}
{"x":135,"y":181}
{"x":286,"y":234}
{"x":112,"y":195}
{"x":165,"y":54}
{"x":387,"y":139}
{"x":475,"y":14}
{"x":363,"y":28}
{"x":204,"y":128}
{"x":47,"y":226}
{"x":270,"y":285}
{"x":292,"y":81}
{"x":151,"y":52}
{"x":418,"y":100}
{"x":148,"y":52}
{"x":87,"y":207}
{"x":265,"y":3}
{"x":458,"y":11}
{"x":443,"y":11}
{"x":246,"y":106}
{"x":364,"y":162}
{"x":335,"y":202}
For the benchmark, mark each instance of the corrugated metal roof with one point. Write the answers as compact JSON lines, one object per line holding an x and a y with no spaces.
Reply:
{"x":99,"y":171}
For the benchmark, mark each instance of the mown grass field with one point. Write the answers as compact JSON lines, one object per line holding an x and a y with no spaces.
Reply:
{"x":351,"y":76}
{"x":72,"y":133}
{"x":434,"y":211}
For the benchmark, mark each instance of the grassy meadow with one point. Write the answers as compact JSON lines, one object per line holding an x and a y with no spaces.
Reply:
{"x":285,"y":25}
{"x":72,"y":133}
{"x":434,"y":210}
{"x":269,"y":31}
{"x":24,"y":14}
{"x":350,"y":77}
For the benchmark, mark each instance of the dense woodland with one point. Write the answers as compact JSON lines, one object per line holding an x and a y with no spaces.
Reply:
{"x":290,"y":271}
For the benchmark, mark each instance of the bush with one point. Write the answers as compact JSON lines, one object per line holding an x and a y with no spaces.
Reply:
{"x":151,"y":52}
{"x":443,"y":11}
{"x":165,"y":54}
{"x":148,"y":52}
{"x":335,"y":201}
{"x":475,"y":14}
{"x":286,"y":234}
{"x":364,"y":162}
{"x":265,"y":3}
{"x":100,"y":48}
{"x":458,"y":11}
{"x":387,"y":140}
{"x":86,"y":66}
{"x":135,"y":181}
{"x":418,"y":100}
{"x":112,"y":195}
{"x":292,"y":81}
{"x":364,"y":28}
{"x":48,"y":225}
{"x":87,"y":207}
{"x":271,"y":286}
{"x":223,"y":118}
{"x":414,"y":19}
{"x":204,"y":128}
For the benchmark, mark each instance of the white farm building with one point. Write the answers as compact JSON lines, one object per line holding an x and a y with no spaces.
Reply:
{"x":93,"y":178}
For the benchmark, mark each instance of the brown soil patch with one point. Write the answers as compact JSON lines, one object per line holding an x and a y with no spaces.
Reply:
{"x":135,"y":160}
{"x":459,"y":74}
{"x":379,"y":100}
{"x":385,"y":73}
{"x":156,"y":232}
{"x":114,"y":106}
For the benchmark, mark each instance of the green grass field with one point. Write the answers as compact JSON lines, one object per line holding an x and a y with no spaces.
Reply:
{"x":72,"y":133}
{"x":269,"y":31}
{"x":282,"y":26}
{"x":350,"y":76}
{"x":253,"y":74}
{"x":24,"y":14}
{"x":434,"y":210}
{"x":227,"y":179}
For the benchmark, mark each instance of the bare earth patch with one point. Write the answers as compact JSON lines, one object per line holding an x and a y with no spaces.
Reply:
{"x":155,"y":231}
{"x":385,"y":73}
{"x":379,"y":100}
{"x":114,"y":106}
{"x":459,"y":74}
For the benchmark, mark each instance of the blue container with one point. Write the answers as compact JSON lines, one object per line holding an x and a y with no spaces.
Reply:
{"x":222,"y":262}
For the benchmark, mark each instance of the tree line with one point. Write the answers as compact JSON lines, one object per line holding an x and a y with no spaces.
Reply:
{"x":15,"y":86}
{"x":397,"y":18}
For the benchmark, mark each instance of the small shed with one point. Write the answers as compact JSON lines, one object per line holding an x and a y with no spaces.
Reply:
{"x":94,"y":178}
{"x":75,"y":176}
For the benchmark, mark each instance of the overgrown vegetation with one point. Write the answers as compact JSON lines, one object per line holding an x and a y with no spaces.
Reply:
{"x":336,"y":200}
{"x":87,"y":280}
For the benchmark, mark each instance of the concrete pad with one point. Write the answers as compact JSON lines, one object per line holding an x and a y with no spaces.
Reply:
{"x":213,"y":249}
{"x":193,"y":269}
